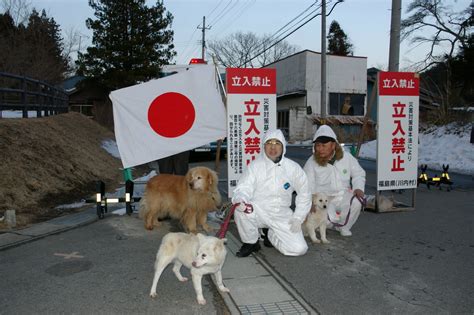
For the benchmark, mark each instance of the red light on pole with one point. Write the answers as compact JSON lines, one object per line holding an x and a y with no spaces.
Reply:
{"x":197,"y":61}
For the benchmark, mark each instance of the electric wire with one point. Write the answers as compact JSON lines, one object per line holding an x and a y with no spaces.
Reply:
{"x":281,"y":39}
{"x":212,"y":11}
{"x":188,"y":44}
{"x":224,"y":14}
{"x":283,"y":27}
{"x":269,"y":40}
{"x":234,"y":18}
{"x":224,"y":10}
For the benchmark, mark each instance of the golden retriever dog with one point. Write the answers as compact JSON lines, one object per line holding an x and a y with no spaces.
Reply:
{"x":317,"y":219}
{"x":187,"y":198}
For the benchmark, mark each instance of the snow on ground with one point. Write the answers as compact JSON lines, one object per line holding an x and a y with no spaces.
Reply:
{"x":438,"y":145}
{"x":17,"y":114}
{"x":111,"y":147}
{"x":449,"y":144}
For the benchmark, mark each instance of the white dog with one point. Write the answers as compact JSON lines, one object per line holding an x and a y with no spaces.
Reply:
{"x":199,"y":253}
{"x":317,"y":218}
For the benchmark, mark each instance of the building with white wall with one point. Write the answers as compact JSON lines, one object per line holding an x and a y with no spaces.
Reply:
{"x":299,"y":86}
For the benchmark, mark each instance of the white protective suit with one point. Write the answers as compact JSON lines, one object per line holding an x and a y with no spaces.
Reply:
{"x":335,"y":181}
{"x":268,"y":187}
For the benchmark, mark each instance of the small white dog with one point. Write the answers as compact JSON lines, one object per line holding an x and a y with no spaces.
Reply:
{"x":199,"y":253}
{"x":317,"y":218}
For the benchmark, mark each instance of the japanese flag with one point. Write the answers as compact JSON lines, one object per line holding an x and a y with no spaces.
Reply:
{"x":166,"y":116}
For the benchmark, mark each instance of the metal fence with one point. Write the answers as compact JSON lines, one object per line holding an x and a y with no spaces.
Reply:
{"x":20,"y":93}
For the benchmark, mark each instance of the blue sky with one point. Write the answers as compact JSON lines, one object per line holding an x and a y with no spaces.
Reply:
{"x":366,"y":22}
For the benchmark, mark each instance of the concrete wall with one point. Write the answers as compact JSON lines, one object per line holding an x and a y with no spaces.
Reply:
{"x":300,"y":124}
{"x":291,"y":73}
{"x":344,"y":75}
{"x":302,"y":72}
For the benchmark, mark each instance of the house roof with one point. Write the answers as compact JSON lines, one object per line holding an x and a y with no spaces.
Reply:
{"x":69,"y":85}
{"x":312,"y":52}
{"x":298,"y":93}
{"x":340,"y":120}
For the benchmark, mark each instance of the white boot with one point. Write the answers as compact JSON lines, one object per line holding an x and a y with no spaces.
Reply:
{"x":345,"y":232}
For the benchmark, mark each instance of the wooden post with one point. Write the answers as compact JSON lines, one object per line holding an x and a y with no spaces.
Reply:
{"x":223,"y":95}
{"x":23,"y":97}
{"x":366,"y":118}
{"x":37,"y":100}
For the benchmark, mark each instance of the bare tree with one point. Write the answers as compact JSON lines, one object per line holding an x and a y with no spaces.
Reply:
{"x":19,"y":10}
{"x":435,"y":23}
{"x":445,"y":30}
{"x":248,"y":50}
{"x":74,"y":42}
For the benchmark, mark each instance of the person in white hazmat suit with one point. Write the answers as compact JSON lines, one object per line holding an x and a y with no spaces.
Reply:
{"x":267,"y":185}
{"x":330,"y":170}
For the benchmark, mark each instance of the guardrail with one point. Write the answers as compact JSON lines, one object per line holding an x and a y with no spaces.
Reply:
{"x":24,"y":94}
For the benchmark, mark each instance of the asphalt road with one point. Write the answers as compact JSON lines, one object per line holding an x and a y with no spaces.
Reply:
{"x":461,"y":181}
{"x":411,"y":262}
{"x":407,"y":262}
{"x":102,"y":268}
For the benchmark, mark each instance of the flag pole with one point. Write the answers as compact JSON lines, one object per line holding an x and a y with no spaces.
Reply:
{"x":223,"y":96}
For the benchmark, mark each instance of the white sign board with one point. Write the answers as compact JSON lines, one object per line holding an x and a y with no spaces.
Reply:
{"x":397,"y":130}
{"x":251,"y":111}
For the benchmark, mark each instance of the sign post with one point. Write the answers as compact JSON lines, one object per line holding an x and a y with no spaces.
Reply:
{"x":397,"y":132}
{"x":251,"y":111}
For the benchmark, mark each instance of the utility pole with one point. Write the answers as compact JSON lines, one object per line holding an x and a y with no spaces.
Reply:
{"x":394,"y":52}
{"x":204,"y":28}
{"x":323,"y":62}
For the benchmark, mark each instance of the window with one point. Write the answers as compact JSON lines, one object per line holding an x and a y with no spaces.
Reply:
{"x":283,"y":122}
{"x":346,"y":104}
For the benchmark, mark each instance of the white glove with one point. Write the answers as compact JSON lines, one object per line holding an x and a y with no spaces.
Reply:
{"x":295,"y":225}
{"x":241,"y":207}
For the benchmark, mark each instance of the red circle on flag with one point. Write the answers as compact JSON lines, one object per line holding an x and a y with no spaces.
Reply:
{"x":171,"y":114}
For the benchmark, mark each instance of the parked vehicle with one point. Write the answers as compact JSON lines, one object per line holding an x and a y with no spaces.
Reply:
{"x":210,"y":150}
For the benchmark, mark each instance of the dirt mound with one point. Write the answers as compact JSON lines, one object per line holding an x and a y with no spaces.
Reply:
{"x":51,"y":161}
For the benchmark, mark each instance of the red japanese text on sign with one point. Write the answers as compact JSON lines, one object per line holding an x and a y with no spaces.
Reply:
{"x":398,"y":83}
{"x":244,"y":81}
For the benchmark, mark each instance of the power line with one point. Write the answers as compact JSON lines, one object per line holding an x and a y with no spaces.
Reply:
{"x":212,"y":11}
{"x":264,"y":43}
{"x":224,"y":14}
{"x":281,"y":39}
{"x":221,"y":12}
{"x":189,"y":42}
{"x":234,"y":18}
{"x":281,"y":28}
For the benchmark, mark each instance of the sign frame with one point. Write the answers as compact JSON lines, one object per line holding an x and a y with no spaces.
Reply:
{"x":251,"y":112}
{"x":397,"y":133}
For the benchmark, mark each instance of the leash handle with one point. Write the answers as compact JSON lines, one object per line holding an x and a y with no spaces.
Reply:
{"x":362,"y":201}
{"x":225,"y":225}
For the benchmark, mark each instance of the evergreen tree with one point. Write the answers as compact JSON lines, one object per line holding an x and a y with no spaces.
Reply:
{"x":34,"y":50}
{"x":8,"y":34}
{"x":338,"y":42}
{"x":44,"y":46}
{"x":131,"y":42}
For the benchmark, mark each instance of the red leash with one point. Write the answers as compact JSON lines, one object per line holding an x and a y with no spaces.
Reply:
{"x":225,"y":225}
{"x":363,"y":203}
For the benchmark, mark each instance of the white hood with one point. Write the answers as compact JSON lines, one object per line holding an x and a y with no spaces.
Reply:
{"x":325,"y":131}
{"x":275,"y":134}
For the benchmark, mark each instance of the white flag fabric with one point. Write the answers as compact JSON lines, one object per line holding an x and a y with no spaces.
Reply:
{"x":166,"y":116}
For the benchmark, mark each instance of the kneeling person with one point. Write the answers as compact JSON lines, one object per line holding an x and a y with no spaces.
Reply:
{"x":268,"y":184}
{"x":339,"y":175}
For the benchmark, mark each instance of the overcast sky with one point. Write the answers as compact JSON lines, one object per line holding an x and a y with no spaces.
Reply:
{"x":366,"y":22}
